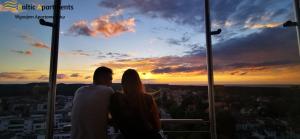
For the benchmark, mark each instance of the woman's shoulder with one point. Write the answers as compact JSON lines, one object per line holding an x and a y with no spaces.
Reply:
{"x":147,"y":95}
{"x":148,"y":98}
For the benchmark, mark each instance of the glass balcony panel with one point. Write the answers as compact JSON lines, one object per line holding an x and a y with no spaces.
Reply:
{"x":256,"y":63}
{"x":24,"y":70}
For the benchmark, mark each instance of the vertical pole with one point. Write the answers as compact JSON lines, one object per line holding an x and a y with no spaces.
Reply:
{"x":211,"y":99}
{"x":53,"y":69}
{"x":297,"y":18}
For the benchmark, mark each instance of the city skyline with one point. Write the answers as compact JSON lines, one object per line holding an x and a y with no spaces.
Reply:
{"x":163,"y":40}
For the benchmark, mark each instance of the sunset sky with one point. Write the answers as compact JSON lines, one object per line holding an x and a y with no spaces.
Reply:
{"x":163,"y":39}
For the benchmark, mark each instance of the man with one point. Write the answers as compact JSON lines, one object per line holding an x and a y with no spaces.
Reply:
{"x":91,"y":107}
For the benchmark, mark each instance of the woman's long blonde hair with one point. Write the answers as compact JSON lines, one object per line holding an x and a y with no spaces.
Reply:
{"x":134,"y":90}
{"x":131,"y":83}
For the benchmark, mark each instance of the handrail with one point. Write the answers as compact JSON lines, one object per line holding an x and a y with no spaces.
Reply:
{"x":184,"y":131}
{"x":183,"y":121}
{"x":176,"y":121}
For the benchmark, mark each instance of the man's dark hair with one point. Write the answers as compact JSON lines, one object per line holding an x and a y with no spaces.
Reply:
{"x":101,"y":72}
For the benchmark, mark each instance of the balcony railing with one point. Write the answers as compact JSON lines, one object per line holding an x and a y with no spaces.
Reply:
{"x":184,"y":121}
{"x":176,"y":122}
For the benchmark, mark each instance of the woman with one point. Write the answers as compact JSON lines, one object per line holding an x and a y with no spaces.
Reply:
{"x":134,"y":112}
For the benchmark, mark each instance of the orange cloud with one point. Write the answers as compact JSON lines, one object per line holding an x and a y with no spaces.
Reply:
{"x":12,"y":75}
{"x":40,"y":45}
{"x":103,"y":25}
{"x":34,"y":42}
{"x":109,"y":29}
{"x":258,"y":26}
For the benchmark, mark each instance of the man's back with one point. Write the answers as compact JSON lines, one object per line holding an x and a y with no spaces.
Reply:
{"x":89,"y":112}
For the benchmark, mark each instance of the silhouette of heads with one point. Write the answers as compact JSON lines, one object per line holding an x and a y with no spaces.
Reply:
{"x":103,"y":76}
{"x":131,"y":82}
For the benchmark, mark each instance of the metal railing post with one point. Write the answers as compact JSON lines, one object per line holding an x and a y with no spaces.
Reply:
{"x":297,"y":18}
{"x":53,"y":68}
{"x":296,"y":23}
{"x":211,"y":99}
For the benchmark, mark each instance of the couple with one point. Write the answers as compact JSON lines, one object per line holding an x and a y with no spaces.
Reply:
{"x":133,"y":112}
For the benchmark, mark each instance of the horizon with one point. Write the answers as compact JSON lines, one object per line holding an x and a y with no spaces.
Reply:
{"x":199,"y":85}
{"x":163,"y":40}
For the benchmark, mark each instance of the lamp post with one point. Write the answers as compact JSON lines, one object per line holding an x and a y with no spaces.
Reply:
{"x":53,"y":66}
{"x":211,"y":95}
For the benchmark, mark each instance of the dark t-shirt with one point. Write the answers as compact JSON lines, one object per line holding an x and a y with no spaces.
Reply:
{"x":130,"y":120}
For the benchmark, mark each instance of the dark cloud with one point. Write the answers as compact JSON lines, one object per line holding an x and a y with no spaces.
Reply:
{"x":58,"y":76}
{"x":184,"y":39}
{"x":172,"y":41}
{"x":113,"y":55}
{"x":62,"y":76}
{"x":117,"y":55}
{"x":253,"y":11}
{"x":283,"y":11}
{"x":224,"y":12}
{"x":148,"y":64}
{"x":43,"y":77}
{"x":258,"y":50}
{"x":195,"y":48}
{"x":179,"y":69}
{"x":180,"y":11}
{"x":74,"y":75}
{"x":81,"y":53}
{"x":238,"y":73}
{"x":87,"y":77}
{"x":81,"y":28}
{"x":234,"y":72}
{"x":221,"y":10}
{"x":262,"y":64}
{"x":268,"y":49}
{"x":243,"y":73}
{"x":34,"y":42}
{"x":101,"y":56}
{"x":27,"y":52}
{"x":157,"y":29}
{"x":236,"y":17}
{"x":12,"y":75}
{"x":270,"y":46}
